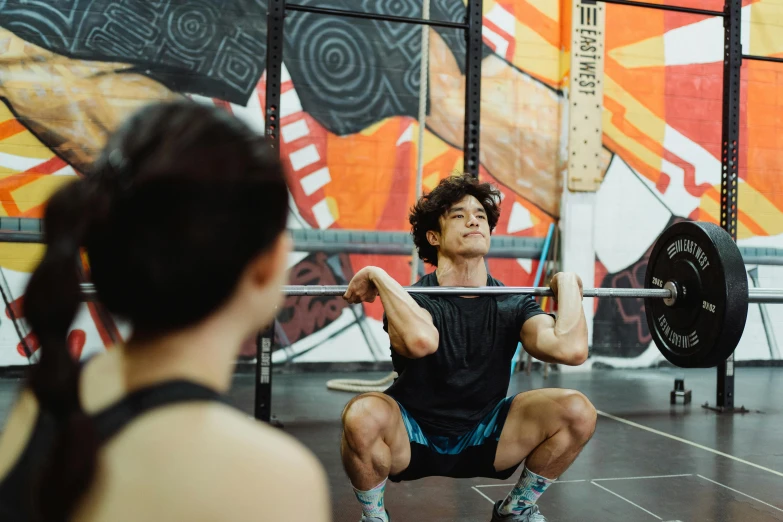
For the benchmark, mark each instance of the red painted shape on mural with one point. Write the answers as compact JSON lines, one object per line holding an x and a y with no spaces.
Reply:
{"x":32,"y":343}
{"x":663,"y":183}
{"x":76,"y":340}
{"x":16,"y":307}
{"x":511,"y":43}
{"x":301,"y":316}
{"x":600,"y":273}
{"x":398,"y":267}
{"x":316,"y":136}
{"x":105,"y":331}
{"x":49,"y":166}
{"x":223,"y":104}
{"x":693,"y":97}
{"x":689,"y":175}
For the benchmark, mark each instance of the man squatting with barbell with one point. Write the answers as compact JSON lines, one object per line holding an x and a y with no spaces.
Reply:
{"x":447,"y":413}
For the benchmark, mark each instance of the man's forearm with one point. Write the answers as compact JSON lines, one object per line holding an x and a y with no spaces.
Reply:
{"x":571,"y":325}
{"x":411,"y":322}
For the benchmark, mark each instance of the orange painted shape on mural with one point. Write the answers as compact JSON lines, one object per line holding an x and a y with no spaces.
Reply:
{"x":441,"y":167}
{"x":749,"y":222}
{"x":565,"y":7}
{"x":742,"y":216}
{"x":362,"y":169}
{"x":626,"y":25}
{"x":618,"y":120}
{"x":764,"y":137}
{"x":646,"y":84}
{"x":10,"y":128}
{"x":13,"y":182}
{"x":531,"y":17}
{"x":639,"y":166}
{"x":7,"y":186}
{"x":402,"y":190}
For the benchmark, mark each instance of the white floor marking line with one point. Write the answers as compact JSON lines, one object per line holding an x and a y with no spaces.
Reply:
{"x":740,"y":492}
{"x":512,"y":485}
{"x":685,"y":441}
{"x":642,"y":478}
{"x":483,"y":495}
{"x":622,"y":497}
{"x":595,"y":479}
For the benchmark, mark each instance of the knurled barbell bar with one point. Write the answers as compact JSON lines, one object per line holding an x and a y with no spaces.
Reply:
{"x":755,"y":295}
{"x":695,"y":290}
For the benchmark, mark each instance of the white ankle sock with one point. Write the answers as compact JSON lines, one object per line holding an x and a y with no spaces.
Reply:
{"x":525,"y":493}
{"x":372,"y":501}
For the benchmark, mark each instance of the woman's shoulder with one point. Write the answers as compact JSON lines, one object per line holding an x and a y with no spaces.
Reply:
{"x":254,"y":459}
{"x":213,"y":462}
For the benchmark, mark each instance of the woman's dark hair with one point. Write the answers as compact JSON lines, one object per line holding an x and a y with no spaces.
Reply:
{"x":180,"y":200}
{"x":425,"y":214}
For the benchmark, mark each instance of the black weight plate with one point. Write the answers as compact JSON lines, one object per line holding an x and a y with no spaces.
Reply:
{"x":704,"y":326}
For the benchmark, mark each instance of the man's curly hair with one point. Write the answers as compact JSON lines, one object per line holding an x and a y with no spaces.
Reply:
{"x":426,"y":213}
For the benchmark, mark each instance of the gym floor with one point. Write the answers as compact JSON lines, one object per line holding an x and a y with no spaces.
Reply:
{"x":648,"y":460}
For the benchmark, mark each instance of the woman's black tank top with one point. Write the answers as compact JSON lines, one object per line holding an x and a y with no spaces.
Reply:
{"x":15,"y":505}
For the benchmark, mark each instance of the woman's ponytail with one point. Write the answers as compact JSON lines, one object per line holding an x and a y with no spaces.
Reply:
{"x":52,"y":300}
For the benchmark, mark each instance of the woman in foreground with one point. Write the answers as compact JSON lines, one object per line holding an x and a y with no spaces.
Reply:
{"x":183,"y":222}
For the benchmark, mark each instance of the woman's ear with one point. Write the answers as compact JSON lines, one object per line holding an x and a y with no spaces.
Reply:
{"x":270,"y":265}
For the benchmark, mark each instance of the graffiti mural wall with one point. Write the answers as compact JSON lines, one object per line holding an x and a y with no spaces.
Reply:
{"x":70,"y":71}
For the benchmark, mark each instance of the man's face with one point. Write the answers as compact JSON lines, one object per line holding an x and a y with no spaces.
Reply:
{"x":464,"y":230}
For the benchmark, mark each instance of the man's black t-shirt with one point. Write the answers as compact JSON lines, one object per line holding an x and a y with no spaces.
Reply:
{"x":451,"y":390}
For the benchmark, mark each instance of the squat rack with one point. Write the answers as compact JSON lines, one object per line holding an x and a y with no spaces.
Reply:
{"x":472,"y":26}
{"x":277,"y":9}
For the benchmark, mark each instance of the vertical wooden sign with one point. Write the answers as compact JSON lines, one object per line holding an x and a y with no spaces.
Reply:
{"x":586,"y":96}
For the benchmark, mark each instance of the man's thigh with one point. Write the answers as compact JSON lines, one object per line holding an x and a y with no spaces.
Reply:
{"x":533,"y":417}
{"x":374,"y":404}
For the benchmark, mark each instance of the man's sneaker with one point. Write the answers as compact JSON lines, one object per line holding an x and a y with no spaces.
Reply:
{"x":375,"y":519}
{"x":531,"y":514}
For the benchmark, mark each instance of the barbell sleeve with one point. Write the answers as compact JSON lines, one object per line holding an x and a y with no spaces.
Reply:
{"x":765,"y":295}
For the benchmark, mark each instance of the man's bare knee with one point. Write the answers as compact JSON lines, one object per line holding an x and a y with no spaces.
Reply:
{"x":366,"y":419}
{"x":578,"y":414}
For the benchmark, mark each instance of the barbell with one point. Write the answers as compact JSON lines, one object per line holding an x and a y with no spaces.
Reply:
{"x":695,"y":294}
